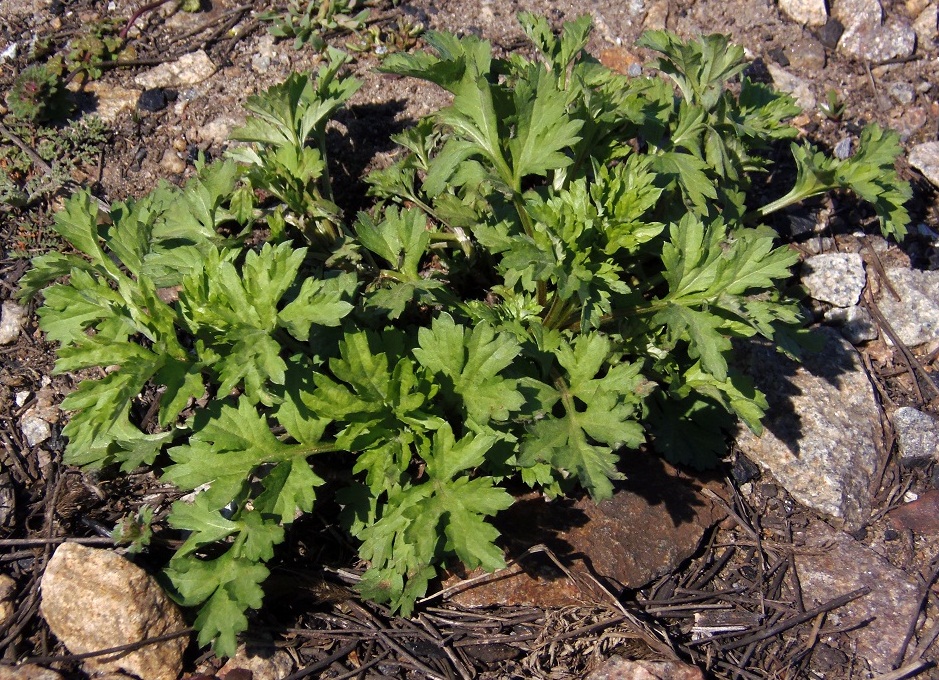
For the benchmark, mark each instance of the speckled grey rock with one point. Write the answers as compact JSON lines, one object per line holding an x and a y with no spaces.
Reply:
{"x":819,"y":434}
{"x":925,"y":158}
{"x":95,"y":599}
{"x":926,"y":25}
{"x":855,"y":323}
{"x":836,"y":278}
{"x":12,"y":318}
{"x":915,"y":316}
{"x":867,"y":36}
{"x":807,"y":12}
{"x":832,"y":564}
{"x":917,"y":435}
{"x":799,"y":88}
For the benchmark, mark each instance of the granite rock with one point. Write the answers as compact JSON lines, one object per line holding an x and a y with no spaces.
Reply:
{"x":12,"y":318}
{"x":917,"y":435}
{"x":832,"y":564}
{"x":836,"y":278}
{"x":925,"y":158}
{"x":95,"y":599}
{"x":820,"y":428}
{"x":915,"y":316}
{"x":806,"y":12}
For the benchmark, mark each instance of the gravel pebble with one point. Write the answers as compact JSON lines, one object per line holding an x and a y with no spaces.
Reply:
{"x":12,"y":318}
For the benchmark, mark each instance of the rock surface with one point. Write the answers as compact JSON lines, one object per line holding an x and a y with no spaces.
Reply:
{"x":837,"y":278}
{"x":834,"y":564}
{"x":799,"y":88}
{"x":915,"y":316}
{"x":261,"y":664}
{"x":920,"y":516}
{"x":95,"y":599}
{"x":855,"y":323}
{"x":808,"y":12}
{"x":925,"y":158}
{"x":611,"y":537}
{"x":619,"y":668}
{"x":917,"y":435}
{"x":818,"y":440}
{"x":189,"y":69}
{"x":12,"y":318}
{"x":28,"y":671}
{"x":7,"y":593}
{"x":868,"y":37}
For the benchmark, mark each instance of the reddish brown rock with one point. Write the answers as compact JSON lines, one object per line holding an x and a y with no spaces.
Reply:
{"x":654,"y":521}
{"x":921,"y":516}
{"x":618,"y":668}
{"x":831,"y":563}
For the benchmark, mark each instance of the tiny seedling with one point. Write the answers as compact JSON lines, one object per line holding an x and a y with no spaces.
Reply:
{"x":307,"y":21}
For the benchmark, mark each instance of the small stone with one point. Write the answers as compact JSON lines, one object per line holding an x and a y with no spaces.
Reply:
{"x":807,"y":53}
{"x":820,"y":428}
{"x":152,"y":100}
{"x":265,"y":54}
{"x":921,"y":516}
{"x":218,"y":130}
{"x":656,"y":17}
{"x":12,"y":318}
{"x":260,"y":663}
{"x":619,"y":59}
{"x":914,"y":7}
{"x":189,"y":69}
{"x":893,"y":40}
{"x":111,"y":100}
{"x":903,"y":93}
{"x":778,"y":55}
{"x":925,"y":158}
{"x":7,"y":595}
{"x":917,"y":435}
{"x":855,"y":323}
{"x":799,"y":88}
{"x":915,"y":316}
{"x":620,"y":668}
{"x":926,"y":25}
{"x":909,"y":121}
{"x":830,"y":33}
{"x":834,"y":564}
{"x":172,"y":163}
{"x":28,"y":671}
{"x":95,"y":599}
{"x":34,"y":428}
{"x":836,"y":278}
{"x":806,"y":12}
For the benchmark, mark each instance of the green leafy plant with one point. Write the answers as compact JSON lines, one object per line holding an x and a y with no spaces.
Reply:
{"x":134,"y":530}
{"x":38,"y":93}
{"x":833,"y":106}
{"x":554,"y":272}
{"x":306,"y":21}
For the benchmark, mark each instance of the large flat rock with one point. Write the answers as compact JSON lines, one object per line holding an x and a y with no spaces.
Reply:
{"x":831,"y":564}
{"x":820,"y":430}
